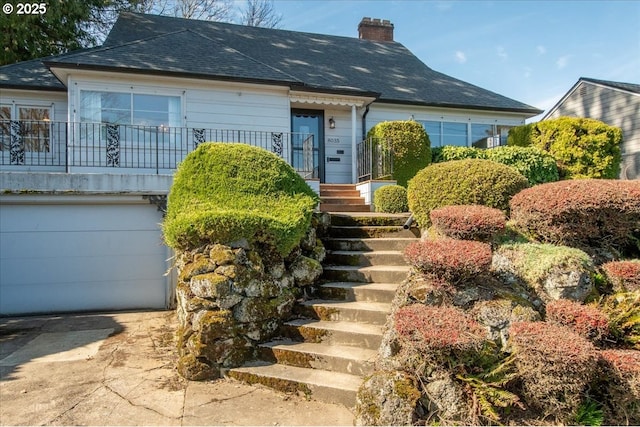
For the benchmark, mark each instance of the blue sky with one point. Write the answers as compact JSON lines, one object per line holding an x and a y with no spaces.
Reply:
{"x":531,"y":51}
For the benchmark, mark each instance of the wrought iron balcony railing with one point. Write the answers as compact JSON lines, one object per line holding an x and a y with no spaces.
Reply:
{"x":103,"y":147}
{"x":375,"y":159}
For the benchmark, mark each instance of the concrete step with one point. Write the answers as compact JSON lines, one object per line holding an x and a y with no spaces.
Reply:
{"x":374,"y":313}
{"x":331,"y":207}
{"x":331,"y":387}
{"x":354,"y":291}
{"x":368,"y":244}
{"x":339,"y":192}
{"x":342,"y":200}
{"x":365,"y":258}
{"x":335,"y":358}
{"x":376,"y":273}
{"x":349,"y":231}
{"x":370,"y":219}
{"x":334,"y":333}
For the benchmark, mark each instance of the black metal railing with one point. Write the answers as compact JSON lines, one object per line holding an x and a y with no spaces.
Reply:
{"x":375,"y":159}
{"x":148,"y":149}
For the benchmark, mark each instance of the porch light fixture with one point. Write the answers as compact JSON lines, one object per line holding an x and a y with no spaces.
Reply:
{"x":332,"y":123}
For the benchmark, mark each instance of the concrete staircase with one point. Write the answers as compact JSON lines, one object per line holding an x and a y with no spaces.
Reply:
{"x":341,"y":198}
{"x":327,"y":351}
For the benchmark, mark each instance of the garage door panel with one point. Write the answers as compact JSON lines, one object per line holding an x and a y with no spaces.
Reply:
{"x":60,"y":218}
{"x":81,"y":257}
{"x":96,"y":296}
{"x":80,"y":244}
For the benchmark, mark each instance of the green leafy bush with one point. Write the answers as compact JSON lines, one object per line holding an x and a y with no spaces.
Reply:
{"x":391,"y":199}
{"x":536,"y":165}
{"x":222,"y":193}
{"x":555,"y":365}
{"x":582,"y":213}
{"x":623,"y":310}
{"x":583,"y":148}
{"x":462,"y":182}
{"x":410,"y":144}
{"x":468,"y":222}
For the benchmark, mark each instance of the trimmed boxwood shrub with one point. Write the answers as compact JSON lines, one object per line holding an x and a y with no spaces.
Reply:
{"x":581,"y":213}
{"x":468,"y":222}
{"x":410,"y":144}
{"x":536,"y":165}
{"x":583,"y":148}
{"x":555,"y":365}
{"x":225,"y":192}
{"x":391,"y":199}
{"x":450,"y":259}
{"x":623,"y":275}
{"x":462,"y":182}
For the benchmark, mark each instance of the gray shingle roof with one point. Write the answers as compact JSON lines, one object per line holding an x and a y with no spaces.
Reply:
{"x":29,"y":75}
{"x":152,"y":44}
{"x":629,"y":87}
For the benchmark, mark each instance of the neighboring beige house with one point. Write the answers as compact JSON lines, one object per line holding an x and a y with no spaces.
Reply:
{"x":615,"y":103}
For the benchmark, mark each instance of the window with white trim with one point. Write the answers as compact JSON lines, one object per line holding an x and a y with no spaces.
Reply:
{"x":130,"y":109}
{"x":25,"y":128}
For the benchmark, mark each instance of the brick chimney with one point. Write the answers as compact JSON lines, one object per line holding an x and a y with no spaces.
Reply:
{"x":375,"y":29}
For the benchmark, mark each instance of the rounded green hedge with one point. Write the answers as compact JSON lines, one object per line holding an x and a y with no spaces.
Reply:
{"x":225,"y":192}
{"x":536,"y":165}
{"x":391,"y":199}
{"x":583,"y":148}
{"x":462,"y":182}
{"x":410,"y":144}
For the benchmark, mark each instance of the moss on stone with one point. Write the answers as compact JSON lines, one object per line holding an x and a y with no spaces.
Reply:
{"x":210,"y":285}
{"x":199,"y":265}
{"x":192,"y":368}
{"x":222,"y":255}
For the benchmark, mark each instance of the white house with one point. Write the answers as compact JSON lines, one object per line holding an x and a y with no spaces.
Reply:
{"x":614,"y":103}
{"x":89,"y":139}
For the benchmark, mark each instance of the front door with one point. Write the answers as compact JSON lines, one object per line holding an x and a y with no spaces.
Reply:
{"x":308,"y":142}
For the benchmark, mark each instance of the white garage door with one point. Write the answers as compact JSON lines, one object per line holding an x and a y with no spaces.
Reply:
{"x":80,"y":253}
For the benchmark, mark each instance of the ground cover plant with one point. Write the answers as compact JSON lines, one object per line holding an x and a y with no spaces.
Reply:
{"x":409,"y":143}
{"x":249,"y":194}
{"x":462,"y":182}
{"x":624,"y":275}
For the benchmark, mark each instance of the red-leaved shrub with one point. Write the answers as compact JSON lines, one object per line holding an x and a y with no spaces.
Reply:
{"x":621,"y":370}
{"x":624,"y":275}
{"x":586,"y":320}
{"x":453,"y":260}
{"x":468,"y":222}
{"x":437,"y":330}
{"x":555,"y":366}
{"x":588,"y":213}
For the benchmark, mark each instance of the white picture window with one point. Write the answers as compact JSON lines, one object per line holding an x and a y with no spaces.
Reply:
{"x":130,"y":109}
{"x":27,"y":126}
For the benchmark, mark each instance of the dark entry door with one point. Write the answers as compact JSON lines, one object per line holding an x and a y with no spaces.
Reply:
{"x":308,"y":142}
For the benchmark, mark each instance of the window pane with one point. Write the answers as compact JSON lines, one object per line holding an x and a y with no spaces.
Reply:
{"x":156,"y":110}
{"x":433,"y":130}
{"x":34,"y":128}
{"x":482,"y":136}
{"x":5,"y":127}
{"x":454,"y":134}
{"x":503,"y":133}
{"x":105,"y":107}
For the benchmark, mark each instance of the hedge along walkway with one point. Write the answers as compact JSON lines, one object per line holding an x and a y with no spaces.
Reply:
{"x":327,"y":352}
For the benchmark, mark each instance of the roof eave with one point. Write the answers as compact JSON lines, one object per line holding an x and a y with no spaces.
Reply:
{"x":32,"y":87}
{"x":532,"y":111}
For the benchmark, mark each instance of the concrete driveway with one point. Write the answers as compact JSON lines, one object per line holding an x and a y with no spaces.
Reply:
{"x":118,"y":369}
